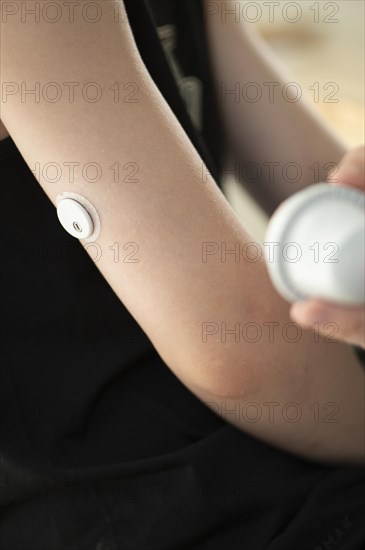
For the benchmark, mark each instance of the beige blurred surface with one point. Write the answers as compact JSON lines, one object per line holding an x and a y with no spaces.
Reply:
{"x":323,"y":52}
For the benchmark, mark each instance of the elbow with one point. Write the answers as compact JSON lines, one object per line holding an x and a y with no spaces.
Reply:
{"x":225,"y":375}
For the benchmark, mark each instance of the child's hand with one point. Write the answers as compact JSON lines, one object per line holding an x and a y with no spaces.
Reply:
{"x":350,"y":321}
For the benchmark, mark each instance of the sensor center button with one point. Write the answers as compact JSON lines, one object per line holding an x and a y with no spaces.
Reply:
{"x":75,"y":219}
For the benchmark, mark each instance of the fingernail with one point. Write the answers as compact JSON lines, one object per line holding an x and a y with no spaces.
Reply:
{"x":302,"y":313}
{"x":298,"y":311}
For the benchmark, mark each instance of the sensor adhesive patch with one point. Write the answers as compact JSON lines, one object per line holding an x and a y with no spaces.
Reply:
{"x":78,"y":216}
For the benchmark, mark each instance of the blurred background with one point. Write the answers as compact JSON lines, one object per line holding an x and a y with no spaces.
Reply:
{"x":325,"y":45}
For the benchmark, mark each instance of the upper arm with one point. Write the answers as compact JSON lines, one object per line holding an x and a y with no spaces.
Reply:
{"x":53,"y":71}
{"x":172,"y":209}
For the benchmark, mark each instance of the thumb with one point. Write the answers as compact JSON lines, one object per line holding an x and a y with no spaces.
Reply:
{"x":348,"y":322}
{"x":352,"y":169}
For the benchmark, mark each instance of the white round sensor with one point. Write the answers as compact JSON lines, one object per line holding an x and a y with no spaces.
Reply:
{"x":315,"y":245}
{"x":74,"y":218}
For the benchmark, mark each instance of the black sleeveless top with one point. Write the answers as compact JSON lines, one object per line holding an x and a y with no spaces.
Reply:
{"x":178,"y":60}
{"x":101,"y":446}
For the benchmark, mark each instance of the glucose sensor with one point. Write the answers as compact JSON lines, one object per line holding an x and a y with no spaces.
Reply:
{"x":315,"y":243}
{"x":78,"y":216}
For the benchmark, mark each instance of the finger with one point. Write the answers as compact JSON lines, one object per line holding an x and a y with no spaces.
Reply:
{"x":349,"y":321}
{"x":351,"y":169}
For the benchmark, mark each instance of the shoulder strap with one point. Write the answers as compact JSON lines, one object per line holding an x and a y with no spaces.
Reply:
{"x":152,"y":53}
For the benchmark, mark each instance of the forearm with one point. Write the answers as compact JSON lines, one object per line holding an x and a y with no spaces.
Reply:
{"x":169,"y":212}
{"x":284,"y":137}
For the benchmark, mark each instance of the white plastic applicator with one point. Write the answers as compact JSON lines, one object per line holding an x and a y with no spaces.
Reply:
{"x":317,"y":244}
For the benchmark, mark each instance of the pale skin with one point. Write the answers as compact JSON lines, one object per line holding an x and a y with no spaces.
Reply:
{"x":169,"y":213}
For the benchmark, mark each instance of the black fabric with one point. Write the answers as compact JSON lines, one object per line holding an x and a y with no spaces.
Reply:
{"x":101,"y":447}
{"x":191,"y":48}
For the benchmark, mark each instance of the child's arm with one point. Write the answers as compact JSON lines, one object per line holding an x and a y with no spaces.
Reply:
{"x":180,"y":291}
